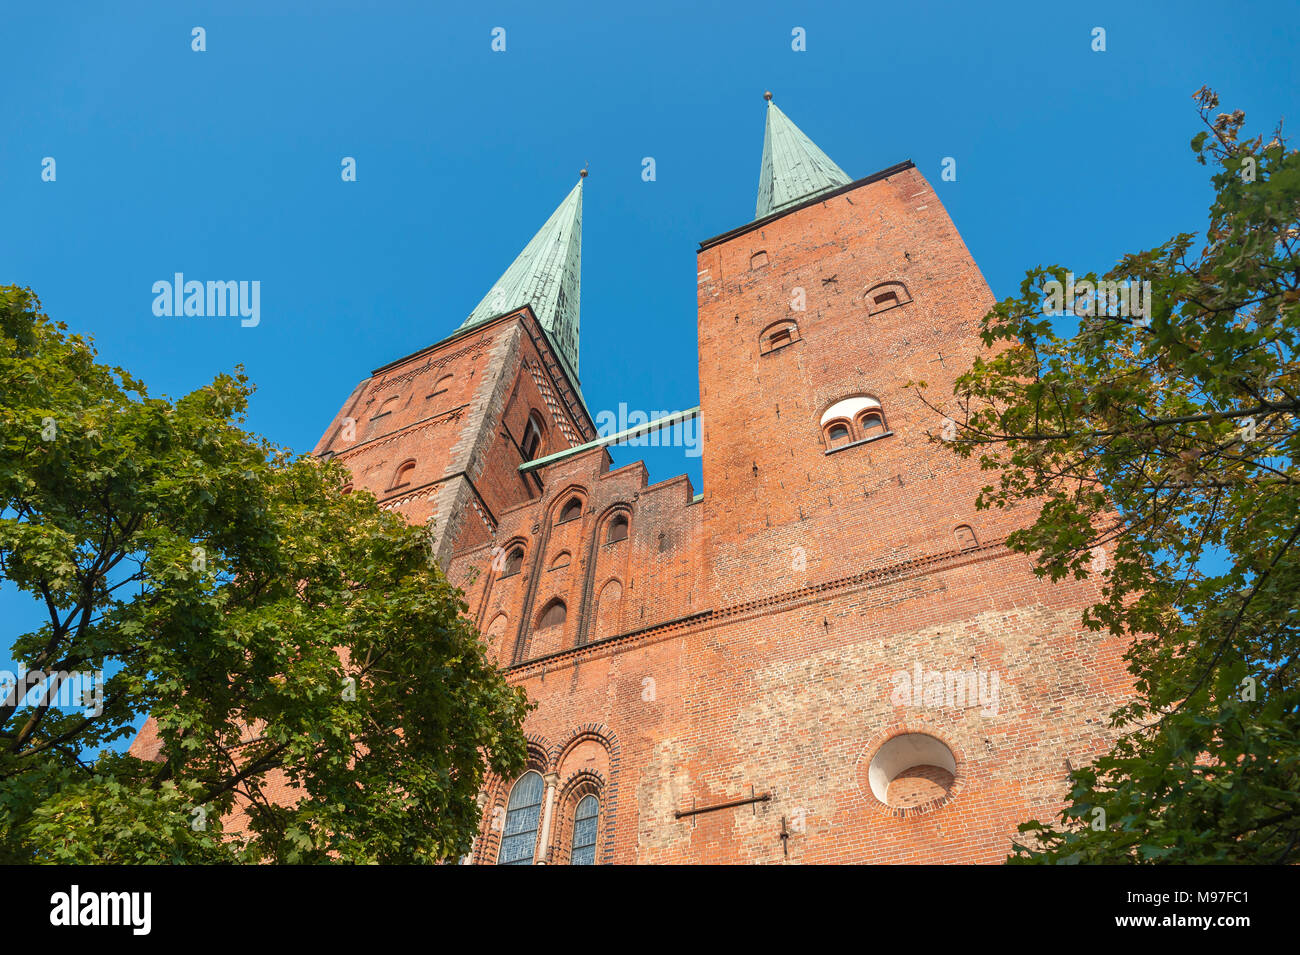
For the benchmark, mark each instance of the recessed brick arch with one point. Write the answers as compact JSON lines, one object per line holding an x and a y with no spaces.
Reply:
{"x":597,"y":539}
{"x":919,"y":728}
{"x":561,"y":500}
{"x":609,"y":607}
{"x":541,"y":754}
{"x":589,"y":731}
{"x":571,"y":790}
{"x":602,"y":734}
{"x":495,"y":633}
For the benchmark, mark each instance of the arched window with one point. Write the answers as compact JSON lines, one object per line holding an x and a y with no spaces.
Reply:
{"x":514,"y":562}
{"x":553,"y":615}
{"x":885,"y":296}
{"x":562,"y":559}
{"x":442,"y":385}
{"x":572,"y":511}
{"x":403,"y":475}
{"x":617,"y":529}
{"x":965,"y":536}
{"x":758,"y":259}
{"x":586,"y":820}
{"x":838,"y":434}
{"x":777,"y":336}
{"x":388,"y":404}
{"x":853,"y":419}
{"x":532,"y":438}
{"x":519,"y":842}
{"x":871,"y":423}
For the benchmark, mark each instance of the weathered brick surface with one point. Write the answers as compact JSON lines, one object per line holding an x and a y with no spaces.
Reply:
{"x":754,"y":643}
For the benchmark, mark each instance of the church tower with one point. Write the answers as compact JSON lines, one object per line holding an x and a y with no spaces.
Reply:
{"x":440,"y":434}
{"x":826,"y":654}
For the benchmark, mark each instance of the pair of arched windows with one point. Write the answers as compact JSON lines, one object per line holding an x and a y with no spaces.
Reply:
{"x":850,"y":420}
{"x":524,"y":812}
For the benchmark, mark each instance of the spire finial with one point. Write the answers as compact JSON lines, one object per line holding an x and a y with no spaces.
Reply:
{"x":767,"y":95}
{"x":582,"y":173}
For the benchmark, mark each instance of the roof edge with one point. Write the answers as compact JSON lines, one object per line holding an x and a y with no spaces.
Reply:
{"x":524,"y":312}
{"x":812,"y":200}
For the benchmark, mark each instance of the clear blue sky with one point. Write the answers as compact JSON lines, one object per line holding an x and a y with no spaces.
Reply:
{"x":225,"y":164}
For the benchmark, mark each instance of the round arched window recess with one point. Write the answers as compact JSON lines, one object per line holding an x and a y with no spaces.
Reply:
{"x":562,"y":559}
{"x":441,"y":386}
{"x":617,"y":530}
{"x":778,"y":335}
{"x":886,"y":295}
{"x":403,"y":475}
{"x":871,"y":424}
{"x":913,"y":771}
{"x":514,"y":562}
{"x":572,"y":511}
{"x":554,"y":615}
{"x":838,"y":434}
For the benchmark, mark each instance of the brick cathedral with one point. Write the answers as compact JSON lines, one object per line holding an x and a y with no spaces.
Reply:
{"x":771,"y":668}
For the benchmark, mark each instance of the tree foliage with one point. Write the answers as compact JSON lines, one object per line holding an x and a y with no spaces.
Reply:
{"x":1170,"y":437}
{"x":280,"y":632}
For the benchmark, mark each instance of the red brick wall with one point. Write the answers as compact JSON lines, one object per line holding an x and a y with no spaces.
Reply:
{"x":753,"y":643}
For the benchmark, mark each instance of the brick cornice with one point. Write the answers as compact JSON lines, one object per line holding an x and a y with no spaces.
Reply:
{"x":787,"y":600}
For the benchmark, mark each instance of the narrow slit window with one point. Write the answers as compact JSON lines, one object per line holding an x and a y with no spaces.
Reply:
{"x":532,"y":439}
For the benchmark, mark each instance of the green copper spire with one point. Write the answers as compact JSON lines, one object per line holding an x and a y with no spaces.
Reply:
{"x":794,"y":169}
{"x":546,"y":275}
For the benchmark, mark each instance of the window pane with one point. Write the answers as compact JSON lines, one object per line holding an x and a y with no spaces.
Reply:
{"x":522,"y":812}
{"x":585,"y":821}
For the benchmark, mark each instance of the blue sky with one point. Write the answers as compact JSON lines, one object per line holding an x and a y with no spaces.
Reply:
{"x":225,"y":164}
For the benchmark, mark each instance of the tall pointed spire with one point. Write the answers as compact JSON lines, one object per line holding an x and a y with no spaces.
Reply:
{"x":546,"y":275}
{"x":793,"y":169}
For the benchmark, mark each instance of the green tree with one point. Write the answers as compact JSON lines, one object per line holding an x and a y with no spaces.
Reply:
{"x":1170,"y":436}
{"x":278,"y":630}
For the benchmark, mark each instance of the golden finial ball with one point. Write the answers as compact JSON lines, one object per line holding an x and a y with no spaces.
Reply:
{"x":767,"y":95}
